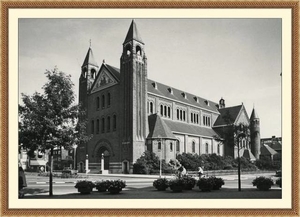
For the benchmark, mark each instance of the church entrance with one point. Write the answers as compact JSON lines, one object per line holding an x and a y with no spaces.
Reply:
{"x":125,"y":167}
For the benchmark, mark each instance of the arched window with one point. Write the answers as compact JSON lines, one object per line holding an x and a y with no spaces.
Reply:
{"x":184,"y":115}
{"x":114,"y":123}
{"x":108,"y":123}
{"x":165,"y":107}
{"x":194,"y":118}
{"x":171,"y":146}
{"x":206,"y":148}
{"x":98,"y":103}
{"x":128,"y":50}
{"x":97,"y":126}
{"x":93,"y":73}
{"x":177,"y":114}
{"x":197,"y":119}
{"x":169,"y":112}
{"x":103,"y":125}
{"x":219,"y":147}
{"x":178,"y":146}
{"x":161,"y":110}
{"x":181,"y":115}
{"x":193,"y":147}
{"x":159,"y":146}
{"x":103,"y":101}
{"x":108,"y":99}
{"x":92,"y":127}
{"x":138,"y":50}
{"x":191,"y":117}
{"x":151,"y":107}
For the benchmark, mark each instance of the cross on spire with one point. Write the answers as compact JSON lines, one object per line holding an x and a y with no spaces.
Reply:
{"x":90,"y":42}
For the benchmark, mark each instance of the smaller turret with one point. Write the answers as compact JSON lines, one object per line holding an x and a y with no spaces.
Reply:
{"x":255,"y":134}
{"x":222,"y":103}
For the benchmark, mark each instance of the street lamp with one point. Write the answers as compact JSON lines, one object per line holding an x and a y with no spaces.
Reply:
{"x":241,"y":133}
{"x":75,"y":147}
{"x":161,"y":155}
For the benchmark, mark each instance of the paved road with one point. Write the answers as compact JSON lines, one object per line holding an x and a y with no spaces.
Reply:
{"x":141,"y":187}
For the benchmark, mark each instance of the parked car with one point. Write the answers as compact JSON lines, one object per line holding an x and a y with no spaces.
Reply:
{"x":68,"y":170}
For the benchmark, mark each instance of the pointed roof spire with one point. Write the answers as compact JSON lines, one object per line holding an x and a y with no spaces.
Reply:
{"x":133,"y":33}
{"x":89,"y":58}
{"x":254,"y":114}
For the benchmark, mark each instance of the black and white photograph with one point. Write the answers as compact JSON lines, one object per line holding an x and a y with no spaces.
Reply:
{"x":156,"y":108}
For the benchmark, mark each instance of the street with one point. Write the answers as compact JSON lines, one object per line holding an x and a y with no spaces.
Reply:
{"x":140,"y":187}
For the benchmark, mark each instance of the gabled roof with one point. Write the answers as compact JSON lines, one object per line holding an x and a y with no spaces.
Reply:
{"x":266,"y":150}
{"x":246,"y":153}
{"x":177,"y":126}
{"x":233,"y":112}
{"x":89,"y":59}
{"x":158,"y":128}
{"x":254,"y":115}
{"x":274,"y":145}
{"x":115,"y":71}
{"x":181,"y":96}
{"x":133,"y":34}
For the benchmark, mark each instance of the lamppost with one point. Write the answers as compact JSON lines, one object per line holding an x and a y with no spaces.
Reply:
{"x":75,"y":147}
{"x":161,"y":155}
{"x":241,"y":133}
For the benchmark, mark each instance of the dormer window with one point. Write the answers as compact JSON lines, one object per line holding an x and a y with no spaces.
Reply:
{"x":206,"y":102}
{"x":183,"y":95}
{"x":154,"y":85}
{"x":170,"y":90}
{"x":196,"y":98}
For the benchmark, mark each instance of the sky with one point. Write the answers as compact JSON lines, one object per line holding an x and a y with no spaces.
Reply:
{"x":237,"y":59}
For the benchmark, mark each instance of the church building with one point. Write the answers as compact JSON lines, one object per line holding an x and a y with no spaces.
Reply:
{"x":127,"y":113}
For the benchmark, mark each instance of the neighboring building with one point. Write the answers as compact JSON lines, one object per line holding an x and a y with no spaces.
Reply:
{"x":34,"y":163}
{"x":128,"y":113}
{"x":274,"y":143}
{"x":62,"y":158}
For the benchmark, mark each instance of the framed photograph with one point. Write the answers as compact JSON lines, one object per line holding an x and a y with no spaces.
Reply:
{"x":172,"y":91}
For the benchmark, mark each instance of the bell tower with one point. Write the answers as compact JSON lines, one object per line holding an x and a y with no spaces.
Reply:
{"x":89,"y":69}
{"x":133,"y":70}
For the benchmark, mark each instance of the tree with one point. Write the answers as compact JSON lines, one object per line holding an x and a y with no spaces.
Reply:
{"x":50,"y":119}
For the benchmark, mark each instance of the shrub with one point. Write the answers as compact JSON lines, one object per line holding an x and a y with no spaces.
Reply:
{"x":217,"y":182}
{"x":268,"y":164}
{"x":176,"y":184}
{"x":116,"y":184}
{"x":102,"y":185}
{"x":246,"y":164}
{"x":205,"y":184}
{"x":262,"y":183}
{"x":188,"y":182}
{"x":85,"y":184}
{"x":161,"y":184}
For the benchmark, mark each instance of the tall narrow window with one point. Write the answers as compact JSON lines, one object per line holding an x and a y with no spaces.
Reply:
{"x":97,"y":126}
{"x":114,"y":123}
{"x":103,"y":125}
{"x":181,"y":115}
{"x":204,"y":123}
{"x":159,"y":146}
{"x":171,"y":146}
{"x":161,"y":110}
{"x":193,"y":147}
{"x":151,"y":107}
{"x":108,"y":99}
{"x":165,"y":108}
{"x":98,"y":103}
{"x":219,"y":148}
{"x":108,"y":124}
{"x":178,"y":146}
{"x":197,"y":119}
{"x":169,"y":112}
{"x":92,"y":127}
{"x":191,"y":117}
{"x":177,"y":114}
{"x":206,"y":148}
{"x":184,"y":115}
{"x":103,"y":101}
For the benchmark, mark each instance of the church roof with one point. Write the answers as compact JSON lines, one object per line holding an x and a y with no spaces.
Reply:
{"x":133,"y":34}
{"x":89,"y":58}
{"x":266,"y":150}
{"x":115,"y":71}
{"x":181,"y":96}
{"x":177,"y":126}
{"x":232,"y":111}
{"x":254,"y":114}
{"x":158,"y":128}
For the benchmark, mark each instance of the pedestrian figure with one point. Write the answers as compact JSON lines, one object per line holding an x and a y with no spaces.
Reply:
{"x":200,"y":171}
{"x":181,"y":171}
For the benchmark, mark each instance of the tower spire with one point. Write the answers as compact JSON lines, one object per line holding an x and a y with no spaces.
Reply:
{"x":133,"y":33}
